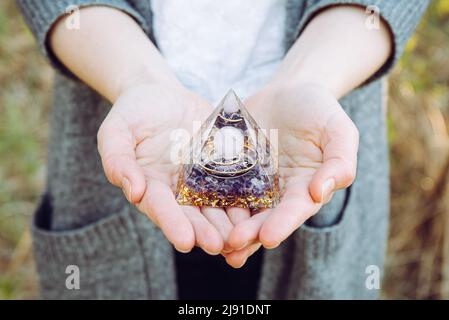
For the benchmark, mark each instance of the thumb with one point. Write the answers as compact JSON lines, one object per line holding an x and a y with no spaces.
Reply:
{"x":116,"y":146}
{"x":340,"y":145}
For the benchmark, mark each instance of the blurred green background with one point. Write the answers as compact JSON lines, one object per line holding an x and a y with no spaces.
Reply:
{"x":418,"y":116}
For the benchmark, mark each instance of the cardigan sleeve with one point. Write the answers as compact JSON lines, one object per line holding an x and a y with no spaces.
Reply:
{"x":401,"y":16}
{"x":40,"y":15}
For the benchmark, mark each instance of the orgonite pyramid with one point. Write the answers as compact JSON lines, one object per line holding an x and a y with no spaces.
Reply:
{"x":231,"y":162}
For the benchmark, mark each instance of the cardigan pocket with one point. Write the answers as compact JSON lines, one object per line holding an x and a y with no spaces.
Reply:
{"x":320,"y":241}
{"x":102,"y":260}
{"x":331,"y":214}
{"x":330,"y":262}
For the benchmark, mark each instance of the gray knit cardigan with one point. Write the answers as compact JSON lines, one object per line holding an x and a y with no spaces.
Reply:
{"x":121,"y":254}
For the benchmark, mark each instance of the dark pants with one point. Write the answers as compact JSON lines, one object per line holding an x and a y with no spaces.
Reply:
{"x":202,"y":276}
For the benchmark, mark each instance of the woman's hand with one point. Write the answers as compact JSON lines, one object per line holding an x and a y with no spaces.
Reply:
{"x":134,"y":144}
{"x":117,"y":59}
{"x":317,"y":149}
{"x":318,"y":143}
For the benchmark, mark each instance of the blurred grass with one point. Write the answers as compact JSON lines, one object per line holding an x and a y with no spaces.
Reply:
{"x":418,"y":115}
{"x":25,"y":81}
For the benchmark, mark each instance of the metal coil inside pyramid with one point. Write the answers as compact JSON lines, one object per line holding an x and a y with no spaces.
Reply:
{"x":231,"y":162}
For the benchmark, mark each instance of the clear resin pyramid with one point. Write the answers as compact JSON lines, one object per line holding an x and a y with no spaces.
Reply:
{"x":231,"y":162}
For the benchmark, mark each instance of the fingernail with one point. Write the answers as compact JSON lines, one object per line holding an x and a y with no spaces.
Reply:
{"x":211,"y":253}
{"x":240,"y":248}
{"x":327,"y":189}
{"x":126,"y":186}
{"x":227,"y":248}
{"x":236,"y":266}
{"x":241,"y":265}
{"x":182,"y":251}
{"x":272,"y":247}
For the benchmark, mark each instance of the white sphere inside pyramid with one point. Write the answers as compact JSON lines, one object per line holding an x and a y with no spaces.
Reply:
{"x":228,"y":143}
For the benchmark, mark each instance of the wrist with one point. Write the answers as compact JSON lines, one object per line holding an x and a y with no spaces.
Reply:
{"x":306,"y":76}
{"x":144,"y":76}
{"x":337,"y":51}
{"x":282,"y":83}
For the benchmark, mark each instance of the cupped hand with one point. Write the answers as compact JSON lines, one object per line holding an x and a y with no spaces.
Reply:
{"x":134,"y":145}
{"x":317,"y":148}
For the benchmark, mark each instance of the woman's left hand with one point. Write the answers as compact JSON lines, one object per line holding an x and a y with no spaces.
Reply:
{"x":317,"y":150}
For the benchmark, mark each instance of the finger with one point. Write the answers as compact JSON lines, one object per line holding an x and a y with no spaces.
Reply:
{"x":237,"y":215}
{"x":247,"y":231}
{"x":207,"y":237}
{"x":340,"y":145}
{"x":219,"y":219}
{"x":161,"y":207}
{"x":116,"y":146}
{"x":237,"y":259}
{"x":294,"y":209}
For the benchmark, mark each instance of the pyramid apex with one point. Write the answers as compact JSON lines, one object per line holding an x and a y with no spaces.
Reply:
{"x":231,"y":91}
{"x":231,"y":102}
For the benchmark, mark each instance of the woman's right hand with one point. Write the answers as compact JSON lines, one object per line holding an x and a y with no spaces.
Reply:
{"x":134,"y":144}
{"x":118,"y":60}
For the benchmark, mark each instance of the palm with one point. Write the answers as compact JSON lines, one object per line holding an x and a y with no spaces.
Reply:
{"x":317,"y":146}
{"x":134,"y":143}
{"x":153,"y":128}
{"x":303,"y":127}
